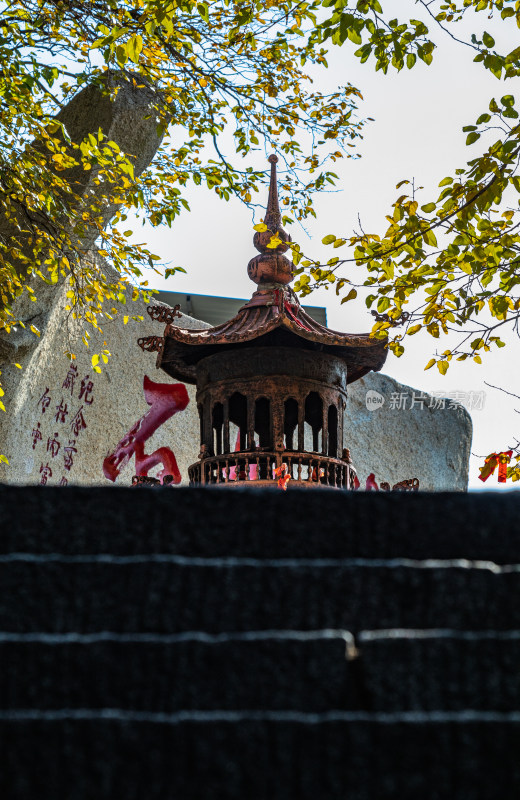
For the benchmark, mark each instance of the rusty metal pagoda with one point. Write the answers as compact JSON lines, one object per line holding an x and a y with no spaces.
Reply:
{"x":271,"y":382}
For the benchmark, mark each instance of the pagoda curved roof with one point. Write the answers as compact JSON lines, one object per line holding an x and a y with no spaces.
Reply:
{"x":274,"y":317}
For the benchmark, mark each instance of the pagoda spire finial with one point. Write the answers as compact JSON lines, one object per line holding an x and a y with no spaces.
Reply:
{"x":273,"y":217}
{"x":271,"y":266}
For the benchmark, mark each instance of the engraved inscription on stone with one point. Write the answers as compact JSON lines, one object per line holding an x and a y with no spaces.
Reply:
{"x":56,"y":437}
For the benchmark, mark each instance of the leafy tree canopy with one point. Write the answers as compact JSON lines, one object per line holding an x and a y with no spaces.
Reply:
{"x":449,"y":263}
{"x":232,"y":70}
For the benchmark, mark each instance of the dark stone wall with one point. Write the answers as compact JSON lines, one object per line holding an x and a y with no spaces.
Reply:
{"x":183,"y":643}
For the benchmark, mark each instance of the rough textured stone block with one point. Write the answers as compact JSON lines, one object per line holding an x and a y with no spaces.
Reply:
{"x":164,"y":676}
{"x":260,"y":760}
{"x":260,"y":524}
{"x":419,"y":439}
{"x":114,"y":403}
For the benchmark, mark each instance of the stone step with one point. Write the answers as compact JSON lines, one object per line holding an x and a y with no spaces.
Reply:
{"x":268,"y":757}
{"x":288,"y":672}
{"x":447,"y":670}
{"x":260,"y":523}
{"x":156,"y":676}
{"x":160,"y":594}
{"x":426,"y":718}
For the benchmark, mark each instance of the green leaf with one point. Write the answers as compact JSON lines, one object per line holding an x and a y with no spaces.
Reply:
{"x":134,"y":47}
{"x":472,"y":137}
{"x":429,"y":238}
{"x":428,"y":208}
{"x":328,"y":239}
{"x":396,"y":348}
{"x":350,"y":296}
{"x":354,"y":36}
{"x":204,"y":13}
{"x":121,"y":55}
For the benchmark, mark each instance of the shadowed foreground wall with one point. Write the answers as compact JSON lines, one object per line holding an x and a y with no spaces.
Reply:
{"x":181,"y":643}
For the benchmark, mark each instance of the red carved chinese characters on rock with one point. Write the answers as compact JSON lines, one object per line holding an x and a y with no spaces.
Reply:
{"x":165,"y":400}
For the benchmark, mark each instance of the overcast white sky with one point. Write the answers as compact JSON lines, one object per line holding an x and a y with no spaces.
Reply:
{"x":417,"y":133}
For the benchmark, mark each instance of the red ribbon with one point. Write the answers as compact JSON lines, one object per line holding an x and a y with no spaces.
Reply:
{"x":371,"y":483}
{"x":283,"y":476}
{"x":492,"y":461}
{"x":294,"y":317}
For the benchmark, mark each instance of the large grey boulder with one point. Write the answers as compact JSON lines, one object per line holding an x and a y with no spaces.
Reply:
{"x":124,"y":110}
{"x":42,"y":435}
{"x":130,"y":121}
{"x":397,"y":432}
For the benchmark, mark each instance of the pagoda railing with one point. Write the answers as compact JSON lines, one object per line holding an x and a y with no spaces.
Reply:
{"x":307,"y":469}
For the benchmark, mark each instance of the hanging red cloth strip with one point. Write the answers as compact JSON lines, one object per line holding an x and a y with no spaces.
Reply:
{"x":283,"y":476}
{"x":492,"y":461}
{"x":504,"y":460}
{"x":294,"y":317}
{"x":371,"y":484}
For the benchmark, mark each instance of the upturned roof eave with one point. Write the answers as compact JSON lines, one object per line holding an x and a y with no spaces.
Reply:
{"x":352,"y":348}
{"x":237,"y":329}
